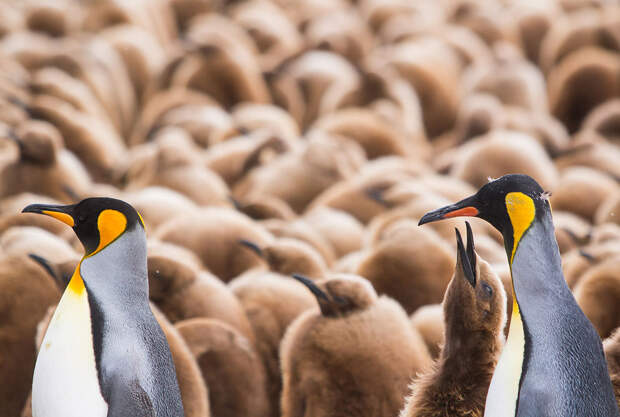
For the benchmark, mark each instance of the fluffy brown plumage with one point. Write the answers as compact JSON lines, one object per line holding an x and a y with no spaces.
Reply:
{"x":475,"y":314}
{"x":351,"y":357}
{"x":26,"y":292}
{"x":230,"y":366}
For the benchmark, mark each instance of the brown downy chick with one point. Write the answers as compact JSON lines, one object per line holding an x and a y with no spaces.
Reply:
{"x":194,"y":390}
{"x":300,"y":175}
{"x":598,"y":295}
{"x":428,"y":320}
{"x":571,"y":231}
{"x":354,"y":356}
{"x":271,"y":302}
{"x":265,"y":208}
{"x":158,"y":204}
{"x":10,"y":216}
{"x":611,"y":346}
{"x":351,"y":195}
{"x":581,"y":190}
{"x":343,"y":231}
{"x":23,"y":240}
{"x":475,"y":315}
{"x":609,"y":210}
{"x":231,"y":368}
{"x":583,"y":79}
{"x":26,"y":291}
{"x":93,"y":139}
{"x":42,"y":166}
{"x":290,"y":256}
{"x":182,"y":291}
{"x":411,"y":265}
{"x":213,"y":234}
{"x":300,"y":229}
{"x":501,"y":152}
{"x":172,"y":160}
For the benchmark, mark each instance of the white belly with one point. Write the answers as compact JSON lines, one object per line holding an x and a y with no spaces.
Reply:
{"x":504,"y":389}
{"x":65,"y":380}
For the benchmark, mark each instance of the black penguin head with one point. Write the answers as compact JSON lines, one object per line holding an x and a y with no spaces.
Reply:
{"x":97,"y":222}
{"x":511,"y":204}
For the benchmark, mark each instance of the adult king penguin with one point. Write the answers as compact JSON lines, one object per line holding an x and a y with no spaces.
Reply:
{"x":552,"y":363}
{"x":104,"y":353}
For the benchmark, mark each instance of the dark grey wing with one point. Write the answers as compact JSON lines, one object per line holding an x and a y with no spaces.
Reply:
{"x":129,"y":400}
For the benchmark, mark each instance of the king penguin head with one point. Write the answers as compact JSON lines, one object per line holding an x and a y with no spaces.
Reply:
{"x":511,"y":204}
{"x":97,"y":222}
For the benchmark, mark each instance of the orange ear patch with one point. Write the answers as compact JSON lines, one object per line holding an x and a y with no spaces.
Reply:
{"x":111,"y":224}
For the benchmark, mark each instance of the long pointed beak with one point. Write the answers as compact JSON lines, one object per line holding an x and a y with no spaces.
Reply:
{"x":318,"y":293}
{"x":252,"y":246}
{"x":62,"y":213}
{"x":466,"y":207}
{"x":463,"y":259}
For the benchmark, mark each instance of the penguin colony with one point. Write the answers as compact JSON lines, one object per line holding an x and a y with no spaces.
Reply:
{"x":280,"y":156}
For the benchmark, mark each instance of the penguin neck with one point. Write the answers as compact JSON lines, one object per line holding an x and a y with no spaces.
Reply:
{"x":117,"y":274}
{"x":480,"y":347}
{"x":536,"y":268}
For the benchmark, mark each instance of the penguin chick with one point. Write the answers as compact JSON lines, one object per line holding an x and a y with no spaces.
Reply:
{"x":231,"y":368}
{"x":26,"y":292}
{"x":159,"y":204}
{"x":298,"y":176}
{"x":232,"y":159}
{"x":194,"y":389}
{"x":410,"y":264}
{"x":290,"y":256}
{"x":571,"y":230}
{"x":581,"y":190}
{"x":608,"y":211}
{"x":582,"y":80}
{"x":42,"y":166}
{"x":172,"y":160}
{"x":376,"y":135}
{"x":25,"y":240}
{"x":93,"y":139}
{"x":271,"y":302}
{"x":182,"y":292}
{"x":611,"y":346}
{"x":10,"y":215}
{"x":343,"y":231}
{"x":598,"y":295}
{"x":213,"y":234}
{"x":301,"y":230}
{"x":500,"y":152}
{"x":428,"y":320}
{"x":265,"y":207}
{"x":475,"y":315}
{"x":351,"y":357}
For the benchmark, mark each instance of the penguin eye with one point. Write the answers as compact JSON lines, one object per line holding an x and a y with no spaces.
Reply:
{"x":487,"y":289}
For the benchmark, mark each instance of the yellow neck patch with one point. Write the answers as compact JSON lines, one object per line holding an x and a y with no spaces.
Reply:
{"x":521,"y":210}
{"x":111,"y":224}
{"x":76,"y":284}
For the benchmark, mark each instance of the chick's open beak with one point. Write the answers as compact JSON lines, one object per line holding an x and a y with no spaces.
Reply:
{"x":62,"y":213}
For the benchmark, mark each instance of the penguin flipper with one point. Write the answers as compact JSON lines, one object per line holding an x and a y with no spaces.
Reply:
{"x":130,"y":400}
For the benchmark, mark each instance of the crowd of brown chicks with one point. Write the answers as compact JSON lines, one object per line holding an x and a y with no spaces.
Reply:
{"x":260,"y":139}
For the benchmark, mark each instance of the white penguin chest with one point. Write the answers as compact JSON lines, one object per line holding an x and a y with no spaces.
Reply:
{"x":504,"y":389}
{"x":65,"y":379}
